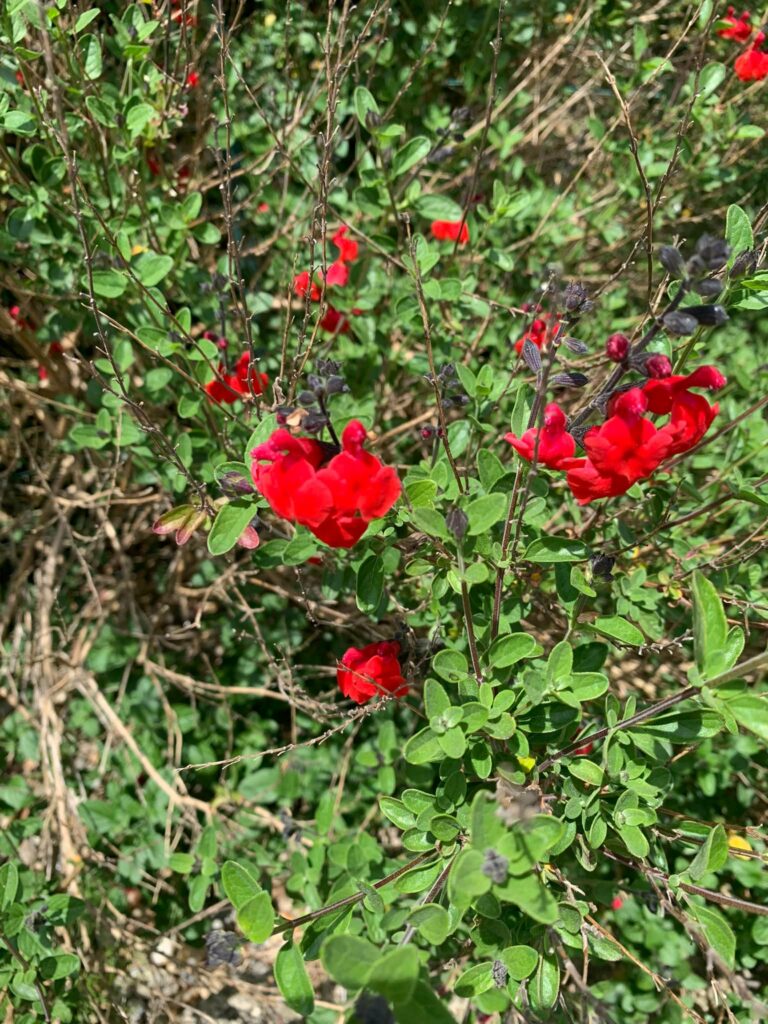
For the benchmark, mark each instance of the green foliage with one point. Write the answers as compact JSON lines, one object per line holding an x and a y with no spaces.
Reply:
{"x":574,"y":785}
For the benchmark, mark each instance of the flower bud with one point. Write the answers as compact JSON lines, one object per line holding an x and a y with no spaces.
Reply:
{"x":709,"y":288}
{"x":570,"y":379}
{"x":707,"y":316}
{"x":336,"y":385}
{"x":745,"y":263}
{"x":575,"y":345}
{"x":671,"y":259}
{"x":306,"y":398}
{"x":713,"y":252}
{"x":658,"y":366}
{"x":531,"y":356}
{"x":575,"y":298}
{"x":495,"y":867}
{"x":499,"y":973}
{"x":680,"y":323}
{"x":426,"y":433}
{"x":457,"y":522}
{"x":617,"y":347}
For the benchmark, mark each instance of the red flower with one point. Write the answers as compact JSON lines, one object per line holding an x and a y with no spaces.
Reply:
{"x":617,"y":903}
{"x":334,"y":322}
{"x":658,"y":366}
{"x":335,"y":500}
{"x":583,"y":751}
{"x":348,"y":248}
{"x":555,"y":443}
{"x":752,"y":65}
{"x":262,"y":208}
{"x":542,"y":330}
{"x":737,"y":28}
{"x":245,"y":381}
{"x":154,"y":165}
{"x":303,"y":284}
{"x":690,"y":415}
{"x":372,"y":671}
{"x":450,"y":231}
{"x":193,"y":79}
{"x":337,"y":273}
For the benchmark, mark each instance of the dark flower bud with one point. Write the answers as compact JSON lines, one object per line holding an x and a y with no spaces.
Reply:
{"x":221,"y":948}
{"x":576,"y":346}
{"x":495,"y":867}
{"x":602,"y":566}
{"x":328,"y":367}
{"x":370,"y":1009}
{"x":459,"y":114}
{"x":314,"y":381}
{"x":671,"y":259}
{"x":457,"y":522}
{"x":532,"y":356}
{"x":336,"y":385}
{"x":447,"y":372}
{"x":680,"y":323}
{"x":442,"y":153}
{"x":233,"y":483}
{"x":745,"y":263}
{"x":617,"y":347}
{"x":658,"y":366}
{"x":575,"y":298}
{"x":499,"y":973}
{"x":713,"y":252}
{"x":373,"y":120}
{"x":307,"y":398}
{"x":426,"y":433}
{"x":570,"y":379}
{"x":709,"y":288}
{"x":314,"y":422}
{"x":708,"y":316}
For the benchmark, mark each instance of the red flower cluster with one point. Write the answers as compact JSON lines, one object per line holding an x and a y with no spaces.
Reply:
{"x":737,"y":28}
{"x":335,"y":499}
{"x":337,"y":274}
{"x":752,"y":65}
{"x":372,"y":671}
{"x":542,"y":330}
{"x":628,"y":447}
{"x":193,"y":80}
{"x":450,"y":231}
{"x":244,"y":382}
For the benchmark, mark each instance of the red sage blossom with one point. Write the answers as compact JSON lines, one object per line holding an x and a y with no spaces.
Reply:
{"x":244,"y":382}
{"x":450,"y":231}
{"x":337,"y":275}
{"x":737,"y":28}
{"x":752,"y":65}
{"x":334,"y":497}
{"x":371,"y":671}
{"x":628,"y":446}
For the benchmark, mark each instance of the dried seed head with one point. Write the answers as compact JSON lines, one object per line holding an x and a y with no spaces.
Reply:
{"x":745,"y":263}
{"x":531,"y":356}
{"x":495,"y":867}
{"x":499,"y":973}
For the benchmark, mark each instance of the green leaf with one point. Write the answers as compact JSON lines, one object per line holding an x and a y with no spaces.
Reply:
{"x":520,"y":961}
{"x":9,"y":884}
{"x":423,"y":1007}
{"x":90,"y":51}
{"x":738,"y":231}
{"x":450,"y":665}
{"x":138,"y":117}
{"x":370,"y":584}
{"x":423,"y":747}
{"x":409,"y":155}
{"x":712,"y":854}
{"x":634,"y":840}
{"x":181,"y":863}
{"x":230,"y":521}
{"x":85,"y":19}
{"x":394,"y":974}
{"x":256,"y":918}
{"x":587,"y":771}
{"x":618,"y":628}
{"x":348,"y":959}
{"x":475,"y":980}
{"x":684,"y":726}
{"x":61,"y":965}
{"x":430,"y":521}
{"x":364,"y":102}
{"x":717,"y":932}
{"x":293,"y":981}
{"x":710,"y":627}
{"x":108,"y":284}
{"x":530,"y":894}
{"x":508,"y":650}
{"x":751,"y":712}
{"x":436,"y":700}
{"x":437,"y":208}
{"x":485,"y":512}
{"x":151,"y":268}
{"x":544,"y":988}
{"x":556,"y":549}
{"x":397,"y":812}
{"x":432,"y":922}
{"x":238,"y":883}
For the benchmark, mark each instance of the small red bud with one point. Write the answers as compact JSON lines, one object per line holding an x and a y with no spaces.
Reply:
{"x":617,"y":903}
{"x":583,"y":751}
{"x":193,"y":79}
{"x":616,"y":347}
{"x":658,"y":367}
{"x":426,"y":433}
